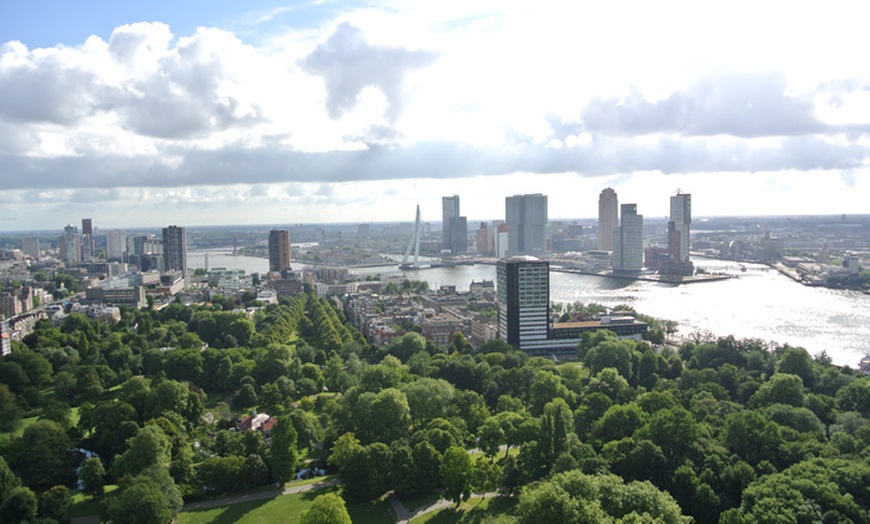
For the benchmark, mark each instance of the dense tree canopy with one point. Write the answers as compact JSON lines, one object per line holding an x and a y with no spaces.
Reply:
{"x":710,"y":429}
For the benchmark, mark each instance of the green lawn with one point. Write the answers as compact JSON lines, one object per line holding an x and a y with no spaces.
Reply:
{"x":497,"y":510}
{"x":4,"y":437}
{"x":285,"y":508}
{"x":82,"y":505}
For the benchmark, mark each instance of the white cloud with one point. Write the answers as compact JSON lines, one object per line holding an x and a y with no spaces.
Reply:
{"x":411,"y":97}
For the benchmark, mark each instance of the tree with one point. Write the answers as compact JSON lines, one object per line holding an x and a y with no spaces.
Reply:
{"x":751,"y":436}
{"x":20,"y":506}
{"x":342,"y":449}
{"x":427,"y":462}
{"x":308,"y":429}
{"x":620,"y":420}
{"x":366,"y":472}
{"x":490,"y":436}
{"x":403,"y":471}
{"x":222,"y":474}
{"x":545,"y":387}
{"x":54,"y":503}
{"x":549,"y":502}
{"x":673,"y":430}
{"x":10,"y":413}
{"x":170,"y":395}
{"x":43,"y":456}
{"x":797,"y":361}
{"x":456,"y":474}
{"x":383,"y":417}
{"x":93,"y":476}
{"x":282,"y":450}
{"x":782,"y":388}
{"x":428,"y":398}
{"x":610,"y":354}
{"x":143,"y":501}
{"x":8,"y":480}
{"x":328,"y":508}
{"x":855,"y":397}
{"x":485,"y":476}
{"x":245,"y":397}
{"x":148,"y":448}
{"x":556,"y":423}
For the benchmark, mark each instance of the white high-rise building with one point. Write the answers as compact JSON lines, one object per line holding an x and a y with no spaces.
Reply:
{"x":678,"y":227}
{"x":116,"y":244}
{"x":608,"y":218}
{"x":628,"y":241}
{"x":30,"y":247}
{"x":70,"y":245}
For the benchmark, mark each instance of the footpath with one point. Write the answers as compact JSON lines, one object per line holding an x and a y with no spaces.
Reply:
{"x":403,"y":515}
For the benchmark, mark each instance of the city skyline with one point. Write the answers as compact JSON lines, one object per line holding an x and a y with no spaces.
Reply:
{"x":278,"y":113}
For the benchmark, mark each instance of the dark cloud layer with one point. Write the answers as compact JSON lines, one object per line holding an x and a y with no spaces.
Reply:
{"x":438,"y":160}
{"x":348,"y":64}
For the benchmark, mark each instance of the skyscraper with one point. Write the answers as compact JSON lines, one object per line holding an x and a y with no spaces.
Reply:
{"x":87,"y":239}
{"x":454,"y":228}
{"x":485,"y":240}
{"x":116,"y":244}
{"x":279,"y":250}
{"x":523,"y":301}
{"x":449,"y":209}
{"x":678,"y":227}
{"x":30,"y":247}
{"x":628,"y":242}
{"x":175,"y":249}
{"x":70,"y":245}
{"x":608,"y":218}
{"x":526,"y":218}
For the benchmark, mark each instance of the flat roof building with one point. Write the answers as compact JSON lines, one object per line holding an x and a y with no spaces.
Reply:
{"x":608,"y":218}
{"x":175,"y":249}
{"x":526,"y":218}
{"x":279,"y":250}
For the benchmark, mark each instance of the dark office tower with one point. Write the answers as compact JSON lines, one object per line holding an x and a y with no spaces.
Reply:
{"x":526,"y":218}
{"x":523,"y":301}
{"x":459,"y":235}
{"x":279,"y":250}
{"x":175,"y":249}
{"x":87,"y":239}
{"x":679,"y":226}
{"x":140,"y":244}
{"x":449,"y":213}
{"x":608,"y":218}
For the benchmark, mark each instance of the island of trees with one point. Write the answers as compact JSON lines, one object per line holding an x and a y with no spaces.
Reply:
{"x":188,"y":403}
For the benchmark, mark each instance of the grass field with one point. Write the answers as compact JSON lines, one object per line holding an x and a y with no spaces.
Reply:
{"x":5,"y":437}
{"x":285,"y":508}
{"x":82,"y":505}
{"x":497,"y":510}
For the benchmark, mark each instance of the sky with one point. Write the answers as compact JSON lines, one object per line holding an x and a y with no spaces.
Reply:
{"x":222,"y":112}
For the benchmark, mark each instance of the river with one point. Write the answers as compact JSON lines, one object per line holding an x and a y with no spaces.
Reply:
{"x":759,"y":303}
